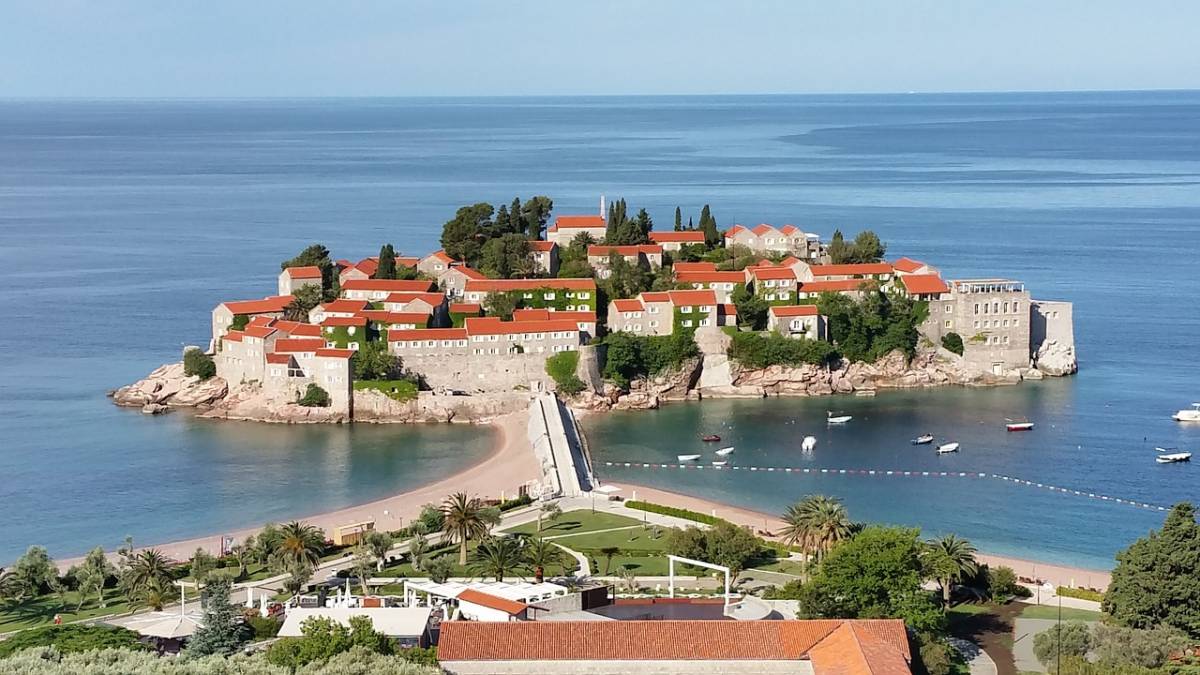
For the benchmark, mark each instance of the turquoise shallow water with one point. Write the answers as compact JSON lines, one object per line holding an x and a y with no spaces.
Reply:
{"x":122,"y":223}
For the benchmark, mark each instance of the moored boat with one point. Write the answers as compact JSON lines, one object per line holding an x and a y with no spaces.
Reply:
{"x":725,"y":451}
{"x":711,"y":438}
{"x":808,"y":443}
{"x":836,"y":419}
{"x":1192,"y":415}
{"x":1174,"y":457}
{"x":1020,"y":425}
{"x":720,"y":463}
{"x":947,"y":447}
{"x":923,"y":439}
{"x":687,"y":458}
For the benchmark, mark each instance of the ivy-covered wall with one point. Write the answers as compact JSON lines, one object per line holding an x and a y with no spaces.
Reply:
{"x":562,"y":298}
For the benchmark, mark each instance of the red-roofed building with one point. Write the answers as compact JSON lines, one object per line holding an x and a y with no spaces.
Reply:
{"x":671,"y":240}
{"x":363,"y":269}
{"x":386,"y":320}
{"x":345,"y":332}
{"x":878,"y":271}
{"x":770,"y":239}
{"x":694,"y":267}
{"x":798,"y":321}
{"x":775,"y":285}
{"x":568,"y":294}
{"x":811,"y":290}
{"x":585,"y":320}
{"x":545,"y":257}
{"x":296,"y":328}
{"x":491,"y":336}
{"x":658,"y":313}
{"x":904,"y":266}
{"x":432,"y":303}
{"x":644,"y":255}
{"x":564,"y":229}
{"x":476,"y":605}
{"x":676,"y":647}
{"x":339,"y":307}
{"x":435,"y":264}
{"x":923,"y":286}
{"x":377,"y":290}
{"x":225,"y":314}
{"x":291,"y":279}
{"x":721,"y":282}
{"x":455,"y":279}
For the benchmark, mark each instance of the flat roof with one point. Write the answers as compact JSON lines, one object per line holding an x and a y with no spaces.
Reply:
{"x":391,"y":621}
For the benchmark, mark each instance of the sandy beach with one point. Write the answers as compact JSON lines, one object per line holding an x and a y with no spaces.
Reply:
{"x":1054,"y":574}
{"x":510,"y":465}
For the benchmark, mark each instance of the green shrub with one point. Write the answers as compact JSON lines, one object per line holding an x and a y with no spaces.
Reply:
{"x":953,"y":342}
{"x":240,"y":322}
{"x":1002,"y":583}
{"x":1081,"y":593}
{"x":629,"y":357}
{"x":561,"y":367}
{"x":315,"y":397}
{"x":196,"y":362}
{"x":758,"y":350}
{"x":264,"y":626}
{"x":516,"y":503}
{"x":1067,"y":639}
{"x":397,"y":390}
{"x":72,"y":638}
{"x":935,"y":655}
{"x":675,"y":512}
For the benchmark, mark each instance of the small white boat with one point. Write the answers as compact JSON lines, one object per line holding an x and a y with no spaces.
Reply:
{"x":1192,"y":415}
{"x":836,"y":419}
{"x":1019,"y":425}
{"x":923,"y":439}
{"x":947,"y":447}
{"x":687,"y":458}
{"x":808,"y":443}
{"x":1166,"y":449}
{"x":1174,"y":457}
{"x":720,"y":463}
{"x":725,"y":451}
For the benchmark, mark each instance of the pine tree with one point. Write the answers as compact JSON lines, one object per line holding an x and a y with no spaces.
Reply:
{"x":516,"y":221}
{"x":387,"y":263}
{"x":708,"y":225}
{"x":678,"y":219}
{"x":221,"y":632}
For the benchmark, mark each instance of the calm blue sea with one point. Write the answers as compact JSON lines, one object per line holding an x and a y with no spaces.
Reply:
{"x":123,"y":223}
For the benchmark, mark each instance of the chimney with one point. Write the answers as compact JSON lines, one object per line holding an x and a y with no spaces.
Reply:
{"x":603,"y":213}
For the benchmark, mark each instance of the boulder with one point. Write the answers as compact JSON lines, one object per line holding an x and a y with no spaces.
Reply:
{"x":155,"y":409}
{"x":1056,"y":358}
{"x":168,"y":385}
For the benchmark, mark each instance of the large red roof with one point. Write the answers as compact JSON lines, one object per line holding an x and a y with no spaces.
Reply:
{"x":908,"y":265}
{"x":548,"y":315}
{"x":368,"y":266}
{"x":493,"y":325}
{"x":296,"y":328}
{"x":694,"y":267}
{"x":542,"y":246}
{"x":468,"y":272}
{"x":465,"y":308}
{"x":288,"y":345}
{"x":630,"y":305}
{"x":397,"y":335}
{"x":432,"y":298}
{"x":697,"y":297}
{"x":488,"y":600}
{"x":331,"y":353}
{"x":273,"y":303}
{"x":258,"y":331}
{"x":568,"y":222}
{"x":711,"y":277}
{"x":794,"y":310}
{"x":309,"y":272}
{"x":345,"y":321}
{"x":671,"y":236}
{"x":649,"y":640}
{"x":853,"y":268}
{"x":772,"y":272}
{"x":388,"y":285}
{"x":488,"y":285}
{"x":921,"y":284}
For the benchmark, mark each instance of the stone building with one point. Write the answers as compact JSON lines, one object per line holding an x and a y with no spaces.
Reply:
{"x":671,"y":240}
{"x":993,"y":318}
{"x":293,"y":279}
{"x":776,"y":285}
{"x":648,"y":256}
{"x":658,"y":312}
{"x":708,"y":277}
{"x":770,"y":239}
{"x":297,"y":363}
{"x":225,"y":314}
{"x":378,"y":290}
{"x":797,"y":321}
{"x":565,"y":228}
{"x":545,"y":257}
{"x":552,"y":294}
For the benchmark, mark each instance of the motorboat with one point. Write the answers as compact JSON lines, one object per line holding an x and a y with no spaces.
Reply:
{"x":711,"y":438}
{"x":687,"y":458}
{"x":1192,"y":415}
{"x":720,"y":463}
{"x":808,"y":443}
{"x":836,"y":419}
{"x":947,"y":447}
{"x":725,"y":451}
{"x":923,"y":439}
{"x":1166,"y":449}
{"x":1019,"y":425}
{"x":1173,"y":457}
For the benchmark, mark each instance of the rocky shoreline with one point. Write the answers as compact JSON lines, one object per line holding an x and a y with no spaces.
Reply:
{"x":710,"y":375}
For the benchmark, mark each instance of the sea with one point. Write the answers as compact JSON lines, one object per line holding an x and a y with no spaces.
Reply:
{"x":123,"y":222}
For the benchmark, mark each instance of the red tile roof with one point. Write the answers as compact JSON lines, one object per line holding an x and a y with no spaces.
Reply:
{"x":278,"y":358}
{"x":694,"y":267}
{"x":233,"y":336}
{"x":331,"y":353}
{"x":261,"y":320}
{"x":542,"y":246}
{"x":655,"y":296}
{"x":465,"y":308}
{"x":605,"y":250}
{"x":854,"y":649}
{"x":258,"y":331}
{"x":368,"y":266}
{"x":407,"y":261}
{"x":383,"y":316}
{"x":711,"y":277}
{"x":397,"y":335}
{"x":287,"y":345}
{"x":734,"y":230}
{"x":855,"y":268}
{"x":440,"y":255}
{"x":273,"y":303}
{"x":789,"y":261}
{"x":488,"y":285}
{"x":629,"y":305}
{"x":296,"y":328}
{"x":832,"y":286}
{"x":388,"y":285}
{"x":772,"y":272}
{"x":309,"y":272}
{"x":568,"y":222}
{"x":492,"y":325}
{"x":677,"y":640}
{"x":345,"y":321}
{"x":698,"y":297}
{"x":789,"y":229}
{"x":578,"y":316}
{"x":671,"y":236}
{"x":762,"y":229}
{"x":511,"y":607}
{"x":794,"y":310}
{"x":432,"y":298}
{"x":343,"y":305}
{"x":920,"y":284}
{"x":729,"y":309}
{"x":908,"y":265}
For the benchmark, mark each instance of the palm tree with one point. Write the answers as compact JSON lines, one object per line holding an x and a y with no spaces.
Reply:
{"x":949,"y":560}
{"x":299,"y":542}
{"x":418,"y":548}
{"x":541,"y":554}
{"x":463,"y":521}
{"x":816,"y":523}
{"x":551,"y":511}
{"x":497,"y":556}
{"x":379,"y":544}
{"x":149,"y":577}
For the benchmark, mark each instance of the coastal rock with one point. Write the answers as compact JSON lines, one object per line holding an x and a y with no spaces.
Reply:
{"x":155,"y":409}
{"x":248,"y":402}
{"x":1056,"y":358}
{"x":168,"y":385}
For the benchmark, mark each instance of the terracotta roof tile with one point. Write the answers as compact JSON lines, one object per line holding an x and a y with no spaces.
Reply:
{"x":270,"y":304}
{"x":432,"y":298}
{"x":345,"y":321}
{"x":427,"y":334}
{"x":919,"y":284}
{"x":488,"y":285}
{"x":794,"y":310}
{"x":343,"y":305}
{"x":684,"y":237}
{"x":296,"y":328}
{"x":331,"y":353}
{"x":258,"y":331}
{"x":568,"y":222}
{"x":383,"y":316}
{"x":630,"y":305}
{"x":391,"y":285}
{"x":856,"y":268}
{"x":908,"y":265}
{"x":288,"y":345}
{"x":542,"y":246}
{"x":493,"y":325}
{"x":505,"y":605}
{"x":278,"y":358}
{"x":697,"y":297}
{"x":308,"y":272}
{"x":694,"y":267}
{"x":466,"y":307}
{"x":772,"y":273}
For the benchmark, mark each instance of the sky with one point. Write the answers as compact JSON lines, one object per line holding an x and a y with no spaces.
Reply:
{"x":265,"y":48}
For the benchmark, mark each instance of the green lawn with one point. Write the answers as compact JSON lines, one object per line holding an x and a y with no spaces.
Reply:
{"x":783,"y":566}
{"x":40,"y":611}
{"x":574,"y":522}
{"x":1051,"y":612}
{"x":399,"y":390}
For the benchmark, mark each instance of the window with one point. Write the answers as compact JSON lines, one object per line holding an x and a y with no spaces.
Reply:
{"x":769,"y":296}
{"x":583,"y":295}
{"x":687,"y":323}
{"x":548,"y":296}
{"x":1005,"y":339}
{"x":985,"y":308}
{"x":1006,"y":323}
{"x":687,"y":309}
{"x":637,"y":327}
{"x":527,"y":296}
{"x":570,"y":308}
{"x":478,"y":351}
{"x":654,"y":324}
{"x":770,"y":283}
{"x":1006,"y":308}
{"x":351,"y":330}
{"x":704,"y":322}
{"x":1016,"y":322}
{"x":977,"y":323}
{"x":354,"y":345}
{"x":948,"y":309}
{"x":330,"y":344}
{"x":949,"y":323}
{"x":652,"y":310}
{"x":414,"y":344}
{"x":977,"y":308}
{"x":493,"y":338}
{"x":996,"y":307}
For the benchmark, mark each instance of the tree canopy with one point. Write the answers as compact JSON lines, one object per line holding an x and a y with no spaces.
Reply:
{"x":867,"y":329}
{"x":866,"y":248}
{"x":621,"y":230}
{"x":470,"y":233}
{"x":316,"y":255}
{"x":1157,"y":578}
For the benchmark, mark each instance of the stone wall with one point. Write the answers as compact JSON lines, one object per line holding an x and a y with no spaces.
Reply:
{"x":475,"y":373}
{"x":1052,"y":337}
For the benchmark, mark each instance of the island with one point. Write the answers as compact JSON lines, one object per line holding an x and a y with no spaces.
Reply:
{"x":607,"y":312}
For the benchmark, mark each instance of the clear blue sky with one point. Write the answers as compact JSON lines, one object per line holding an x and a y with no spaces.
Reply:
{"x":166,"y":48}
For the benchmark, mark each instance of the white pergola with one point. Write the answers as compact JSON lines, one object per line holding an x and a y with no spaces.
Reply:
{"x":672,"y":559}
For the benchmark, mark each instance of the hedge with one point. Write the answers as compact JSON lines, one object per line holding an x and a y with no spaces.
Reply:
{"x":758,"y":350}
{"x":1081,"y":593}
{"x":685,"y":514}
{"x":561,"y":367}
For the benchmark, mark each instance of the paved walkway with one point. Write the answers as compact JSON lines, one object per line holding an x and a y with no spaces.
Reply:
{"x":977,"y":660}
{"x":1024,"y":631}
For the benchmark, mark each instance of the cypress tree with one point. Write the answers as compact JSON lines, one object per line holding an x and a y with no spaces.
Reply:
{"x":501,"y":225}
{"x":708,"y":225}
{"x":678,"y":219}
{"x":387,"y":263}
{"x":516,"y":223}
